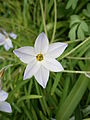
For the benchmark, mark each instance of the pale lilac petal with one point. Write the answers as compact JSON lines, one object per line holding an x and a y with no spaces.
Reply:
{"x":2,"y":39}
{"x":12,"y":35}
{"x":52,"y":65}
{"x":42,"y":76}
{"x":25,"y":54}
{"x":9,"y":42}
{"x":41,"y":43}
{"x":6,"y":47}
{"x":5,"y":107}
{"x":56,"y":49}
{"x":31,"y":69}
{"x":3,"y":95}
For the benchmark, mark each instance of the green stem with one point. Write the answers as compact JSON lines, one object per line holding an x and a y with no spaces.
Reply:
{"x":78,"y":46}
{"x":79,"y":72}
{"x":6,"y":67}
{"x":54,"y":30}
{"x":41,"y":5}
{"x":78,"y":58}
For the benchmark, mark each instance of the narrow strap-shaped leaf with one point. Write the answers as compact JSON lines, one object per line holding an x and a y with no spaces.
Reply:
{"x":71,"y":102}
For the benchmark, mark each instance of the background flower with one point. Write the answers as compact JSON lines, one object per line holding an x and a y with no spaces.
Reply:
{"x":4,"y":106}
{"x":6,"y":41}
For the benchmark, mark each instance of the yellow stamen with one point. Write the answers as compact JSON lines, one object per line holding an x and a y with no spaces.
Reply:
{"x":39,"y":57}
{"x":6,"y":37}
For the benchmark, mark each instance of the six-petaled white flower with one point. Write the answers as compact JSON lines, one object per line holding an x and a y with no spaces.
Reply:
{"x":4,"y":106}
{"x":6,"y":41}
{"x":41,"y":59}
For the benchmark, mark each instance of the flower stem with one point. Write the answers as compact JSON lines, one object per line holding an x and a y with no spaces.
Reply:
{"x":78,"y":58}
{"x":41,"y":5}
{"x":54,"y":30}
{"x":78,"y":46}
{"x":79,"y":72}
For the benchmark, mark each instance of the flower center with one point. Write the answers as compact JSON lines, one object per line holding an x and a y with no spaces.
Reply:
{"x":39,"y":57}
{"x":6,"y":37}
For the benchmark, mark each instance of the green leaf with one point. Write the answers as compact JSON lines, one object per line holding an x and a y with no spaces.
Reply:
{"x":84,"y":26}
{"x":74,"y":4}
{"x":80,"y":32}
{"x":26,"y":97}
{"x":71,"y":102}
{"x":72,"y":32}
{"x":65,"y":90}
{"x":69,"y":4}
{"x":75,"y":19}
{"x":78,"y":115}
{"x":88,"y":7}
{"x":16,"y":107}
{"x":87,"y":11}
{"x":56,"y":81}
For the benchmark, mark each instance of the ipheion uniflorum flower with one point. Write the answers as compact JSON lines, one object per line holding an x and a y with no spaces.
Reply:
{"x":41,"y":59}
{"x":6,"y":41}
{"x":4,"y":106}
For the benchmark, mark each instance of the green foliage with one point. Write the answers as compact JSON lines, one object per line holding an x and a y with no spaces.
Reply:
{"x":71,"y":3}
{"x":67,"y":95}
{"x":86,"y":11}
{"x":78,"y":28}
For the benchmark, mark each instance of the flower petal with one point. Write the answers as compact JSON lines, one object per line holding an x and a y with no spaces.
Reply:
{"x":31,"y":69}
{"x":12,"y":35}
{"x":56,"y":49}
{"x":8,"y":44}
{"x":41,"y":43}
{"x":2,"y":39}
{"x":25,"y":54}
{"x":5,"y":107}
{"x":52,"y":65}
{"x":6,"y":47}
{"x":42,"y":76}
{"x":3,"y":95}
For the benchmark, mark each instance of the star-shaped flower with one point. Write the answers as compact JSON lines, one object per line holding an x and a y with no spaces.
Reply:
{"x":6,"y":41}
{"x":4,"y":106}
{"x":41,"y":59}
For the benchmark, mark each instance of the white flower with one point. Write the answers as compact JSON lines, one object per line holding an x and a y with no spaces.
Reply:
{"x":41,"y":59}
{"x":6,"y":41}
{"x":4,"y":106}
